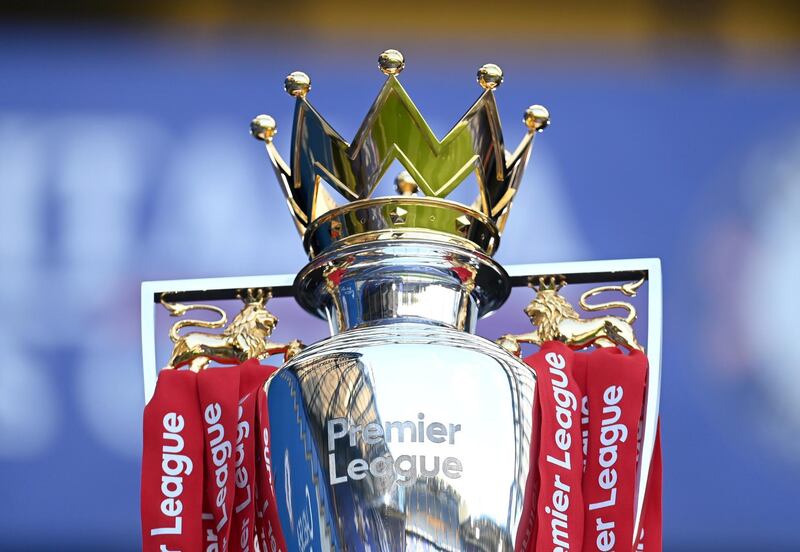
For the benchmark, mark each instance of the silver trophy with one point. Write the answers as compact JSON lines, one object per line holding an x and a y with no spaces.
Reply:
{"x":405,"y":430}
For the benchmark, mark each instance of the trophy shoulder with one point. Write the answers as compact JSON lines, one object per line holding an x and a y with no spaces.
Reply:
{"x":408,"y":334}
{"x":409,"y":348}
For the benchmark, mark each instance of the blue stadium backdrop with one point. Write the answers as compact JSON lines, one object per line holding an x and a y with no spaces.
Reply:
{"x":126,"y":157}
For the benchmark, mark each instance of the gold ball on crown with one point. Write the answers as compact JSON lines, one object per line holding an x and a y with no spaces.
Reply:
{"x":263,"y":127}
{"x":405,"y":185}
{"x":537,"y":117}
{"x":490,"y":76}
{"x":297,"y":84}
{"x":395,"y":130}
{"x":391,"y":62}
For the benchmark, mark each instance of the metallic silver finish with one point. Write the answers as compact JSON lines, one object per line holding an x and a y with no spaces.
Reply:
{"x":402,"y":431}
{"x":394,"y":280}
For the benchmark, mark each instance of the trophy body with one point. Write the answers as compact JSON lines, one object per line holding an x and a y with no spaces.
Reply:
{"x":403,"y":431}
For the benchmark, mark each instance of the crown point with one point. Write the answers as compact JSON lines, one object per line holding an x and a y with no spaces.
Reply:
{"x":490,"y":76}
{"x":405,"y":184}
{"x":297,"y":84}
{"x":263,"y":128}
{"x":391,"y":62}
{"x":537,"y":118}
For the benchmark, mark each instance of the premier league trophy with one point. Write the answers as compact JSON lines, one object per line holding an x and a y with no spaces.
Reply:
{"x":404,"y":430}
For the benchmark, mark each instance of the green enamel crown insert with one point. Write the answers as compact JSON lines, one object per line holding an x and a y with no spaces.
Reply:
{"x":395,"y":130}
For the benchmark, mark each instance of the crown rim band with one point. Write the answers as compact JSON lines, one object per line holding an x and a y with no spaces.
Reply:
{"x":387,"y":216}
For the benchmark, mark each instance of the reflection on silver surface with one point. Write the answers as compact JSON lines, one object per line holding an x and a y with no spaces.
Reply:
{"x":402,"y":432}
{"x":402,"y":279}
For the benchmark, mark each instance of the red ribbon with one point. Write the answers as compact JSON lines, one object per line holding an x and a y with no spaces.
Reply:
{"x":579,"y":495}
{"x":615,"y":390}
{"x":218,"y":389}
{"x":172,"y":466}
{"x":243,"y":527}
{"x":559,"y":520}
{"x":270,"y":533}
{"x":206,"y":468}
{"x":583,"y":469}
{"x":650,"y":537}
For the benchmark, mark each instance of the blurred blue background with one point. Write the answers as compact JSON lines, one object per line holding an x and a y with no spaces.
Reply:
{"x":125,"y":156}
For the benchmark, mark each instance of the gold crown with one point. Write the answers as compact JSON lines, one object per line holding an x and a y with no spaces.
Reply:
{"x":394,"y":129}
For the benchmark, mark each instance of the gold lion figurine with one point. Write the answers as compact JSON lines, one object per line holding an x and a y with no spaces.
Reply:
{"x":556,"y":320}
{"x":246,"y":337}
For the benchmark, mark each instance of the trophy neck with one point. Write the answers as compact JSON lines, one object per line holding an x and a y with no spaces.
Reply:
{"x":402,"y":280}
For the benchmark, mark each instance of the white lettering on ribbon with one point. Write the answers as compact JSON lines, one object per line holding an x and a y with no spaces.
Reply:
{"x":243,"y":479}
{"x":611,"y":433}
{"x":174,"y":466}
{"x":221,"y":452}
{"x":566,"y":404}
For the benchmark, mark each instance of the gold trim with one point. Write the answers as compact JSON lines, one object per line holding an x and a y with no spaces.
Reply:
{"x":395,"y":130}
{"x":402,"y":215}
{"x":557,"y":320}
{"x":410,"y":234}
{"x":246,"y":337}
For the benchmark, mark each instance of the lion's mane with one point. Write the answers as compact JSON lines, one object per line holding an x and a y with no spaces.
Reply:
{"x":555,"y":309}
{"x":245,"y":329}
